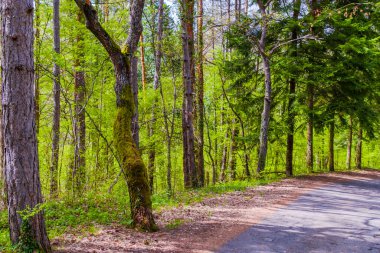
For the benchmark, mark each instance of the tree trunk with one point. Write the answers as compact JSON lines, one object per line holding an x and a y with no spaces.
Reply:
{"x":189,"y":168}
{"x":265,"y":116}
{"x":349,"y":144}
{"x":224,"y":160}
{"x":156,"y":86}
{"x":132,"y":164}
{"x":106,"y":10}
{"x":331,"y":145}
{"x":310,"y":123}
{"x":233,"y":150}
{"x":21,"y":157}
{"x":292,"y":93}
{"x":358,"y":157}
{"x":57,"y":106}
{"x":135,"y":91}
{"x":37,"y":37}
{"x":143,"y":68}
{"x":200,"y":103}
{"x":79,"y":170}
{"x":3,"y":187}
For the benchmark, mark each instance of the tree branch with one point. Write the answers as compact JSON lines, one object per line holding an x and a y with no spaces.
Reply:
{"x":278,"y":45}
{"x":92,"y":23}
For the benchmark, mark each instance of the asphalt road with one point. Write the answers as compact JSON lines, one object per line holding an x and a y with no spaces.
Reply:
{"x":339,"y":218}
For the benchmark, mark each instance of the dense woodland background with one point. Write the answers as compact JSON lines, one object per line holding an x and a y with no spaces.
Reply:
{"x":321,"y":98}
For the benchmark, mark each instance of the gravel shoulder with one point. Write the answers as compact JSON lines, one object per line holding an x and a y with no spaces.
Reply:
{"x":209,"y":224}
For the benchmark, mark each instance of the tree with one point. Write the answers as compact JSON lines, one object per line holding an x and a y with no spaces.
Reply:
{"x":292,"y":93}
{"x":358,"y":158}
{"x":79,"y":170}
{"x":156,"y":87}
{"x":265,"y":116}
{"x":132,"y":164}
{"x":57,"y":105}
{"x":200,"y":95}
{"x":21,"y":156}
{"x":188,"y":76}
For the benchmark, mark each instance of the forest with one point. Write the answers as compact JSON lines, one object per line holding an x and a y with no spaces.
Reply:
{"x":113,"y":110}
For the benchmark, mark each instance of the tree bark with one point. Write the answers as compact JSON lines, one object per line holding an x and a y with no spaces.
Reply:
{"x":310,"y":126}
{"x":265,"y":116}
{"x":37,"y":37}
{"x":200,"y":103}
{"x":79,"y":170}
{"x":189,"y":167}
{"x":223,"y":163}
{"x":143,"y":68}
{"x":233,"y":150}
{"x":292,"y":93}
{"x":21,"y":156}
{"x":135,"y":91}
{"x":57,"y":106}
{"x":3,"y":187}
{"x":349,"y":144}
{"x":132,"y":164}
{"x":331,"y":145}
{"x":156,"y":86}
{"x":358,"y":158}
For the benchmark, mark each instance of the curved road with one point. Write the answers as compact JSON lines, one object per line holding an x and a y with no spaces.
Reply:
{"x":339,"y":218}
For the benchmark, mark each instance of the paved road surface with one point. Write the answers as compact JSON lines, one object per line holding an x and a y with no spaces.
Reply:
{"x":340,"y":218}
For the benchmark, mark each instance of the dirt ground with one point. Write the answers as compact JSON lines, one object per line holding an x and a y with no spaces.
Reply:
{"x":206,"y":225}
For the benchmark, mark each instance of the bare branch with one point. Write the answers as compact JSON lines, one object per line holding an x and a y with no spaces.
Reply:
{"x":280,"y":44}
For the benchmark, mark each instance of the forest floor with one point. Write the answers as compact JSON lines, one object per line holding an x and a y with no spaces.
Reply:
{"x":205,"y":226}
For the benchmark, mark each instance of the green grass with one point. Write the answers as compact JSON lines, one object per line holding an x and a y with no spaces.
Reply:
{"x":80,"y":216}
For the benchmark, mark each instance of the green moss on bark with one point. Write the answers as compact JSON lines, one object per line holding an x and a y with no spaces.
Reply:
{"x":133,"y":167}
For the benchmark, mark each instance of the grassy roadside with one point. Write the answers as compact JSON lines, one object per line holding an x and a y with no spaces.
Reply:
{"x":81,"y":216}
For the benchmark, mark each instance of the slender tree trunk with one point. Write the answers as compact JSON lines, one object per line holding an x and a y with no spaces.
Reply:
{"x":292,"y":93}
{"x":57,"y":106}
{"x":200,"y":103}
{"x":310,"y":126}
{"x":21,"y":155}
{"x":265,"y":116}
{"x":37,"y":37}
{"x":233,"y":150}
{"x":131,"y":162}
{"x":224,"y":160}
{"x":156,"y":86}
{"x":135,"y":91}
{"x":189,"y":167}
{"x":106,"y":10}
{"x":310,"y":105}
{"x":79,"y":170}
{"x":349,"y":144}
{"x":3,"y":187}
{"x":331,"y":145}
{"x":143,"y":68}
{"x":358,"y":158}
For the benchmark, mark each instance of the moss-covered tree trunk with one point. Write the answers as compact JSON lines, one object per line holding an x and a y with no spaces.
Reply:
{"x":132,"y":164}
